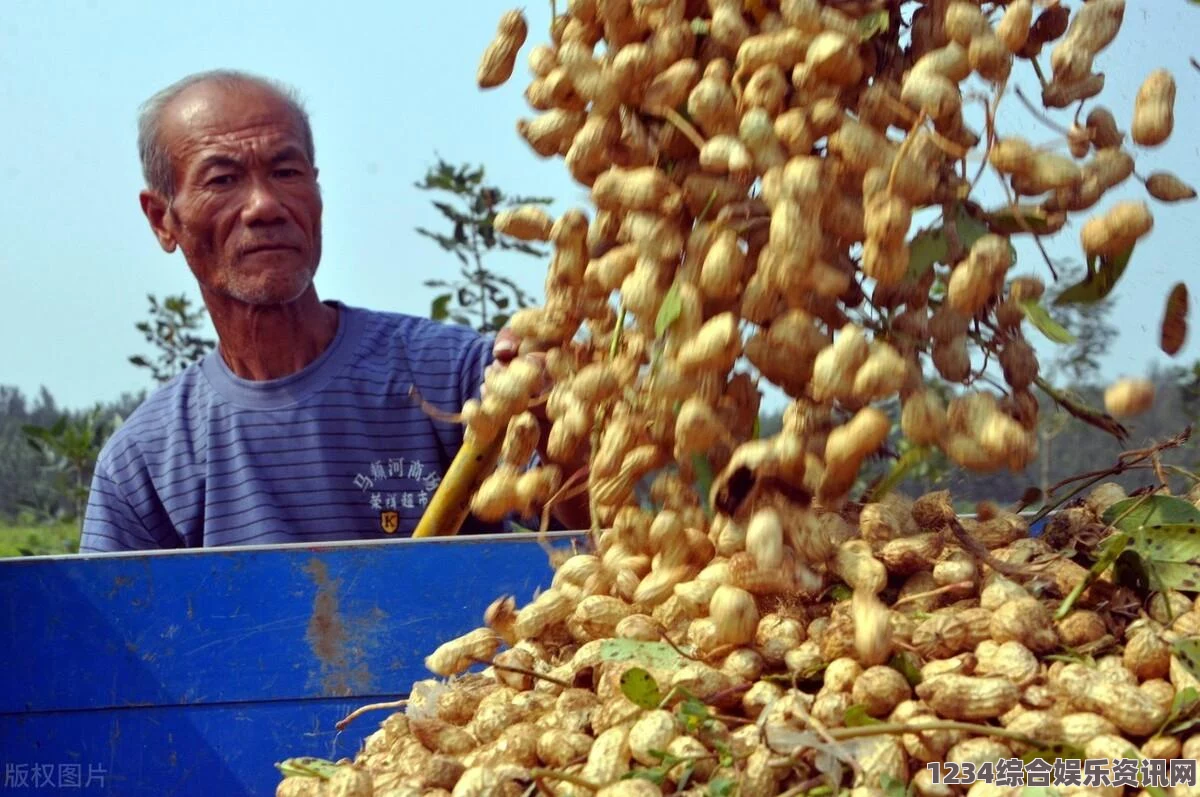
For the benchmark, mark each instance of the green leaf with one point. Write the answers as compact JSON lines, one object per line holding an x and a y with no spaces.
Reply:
{"x":1164,"y":535}
{"x":1183,"y":707}
{"x":1111,"y":548}
{"x":1129,"y":514}
{"x":856,"y":716}
{"x":693,"y":713}
{"x":907,"y":665}
{"x":641,"y":688}
{"x":1170,"y":555}
{"x":307,"y":766}
{"x":873,"y":24}
{"x":671,"y":307}
{"x":930,"y":245}
{"x":1053,"y":751}
{"x":926,"y":248}
{"x":1099,"y":282}
{"x":1188,"y":651}
{"x":724,"y":753}
{"x":1006,"y":221}
{"x":725,"y":787}
{"x":657,"y":775}
{"x":656,"y":655}
{"x":900,"y":470}
{"x":840,"y":592}
{"x":438,"y":309}
{"x":892,"y":787}
{"x":704,"y":480}
{"x":756,"y":432}
{"x":1041,"y":319}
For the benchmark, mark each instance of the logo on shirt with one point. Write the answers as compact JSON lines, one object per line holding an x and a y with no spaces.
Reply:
{"x":394,"y":485}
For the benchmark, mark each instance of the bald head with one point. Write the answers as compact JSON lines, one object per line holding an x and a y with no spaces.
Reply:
{"x":184,"y":103}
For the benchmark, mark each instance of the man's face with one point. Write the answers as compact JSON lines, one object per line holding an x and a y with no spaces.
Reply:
{"x":247,"y":207}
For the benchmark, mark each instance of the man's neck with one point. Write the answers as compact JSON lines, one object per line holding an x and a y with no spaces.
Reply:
{"x":262,"y":343}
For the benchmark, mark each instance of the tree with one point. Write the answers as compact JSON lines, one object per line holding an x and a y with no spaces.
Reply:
{"x":70,"y":447}
{"x":1089,"y":324}
{"x":172,"y":330}
{"x":481,"y":298}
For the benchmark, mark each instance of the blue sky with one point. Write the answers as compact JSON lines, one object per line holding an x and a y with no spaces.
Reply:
{"x":388,"y":85}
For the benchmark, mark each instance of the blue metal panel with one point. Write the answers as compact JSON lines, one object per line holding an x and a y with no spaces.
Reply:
{"x":193,"y":672}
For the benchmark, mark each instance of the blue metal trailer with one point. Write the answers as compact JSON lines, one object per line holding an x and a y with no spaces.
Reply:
{"x":193,"y":672}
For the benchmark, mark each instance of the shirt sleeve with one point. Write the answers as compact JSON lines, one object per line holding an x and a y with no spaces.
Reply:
{"x":476,"y":357}
{"x":111,"y":523}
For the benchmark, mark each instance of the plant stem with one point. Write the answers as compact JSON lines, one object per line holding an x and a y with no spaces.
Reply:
{"x":554,"y":774}
{"x":842,"y":734}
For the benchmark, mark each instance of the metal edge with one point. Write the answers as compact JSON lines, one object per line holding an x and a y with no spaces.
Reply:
{"x":503,"y":537}
{"x":507,"y":537}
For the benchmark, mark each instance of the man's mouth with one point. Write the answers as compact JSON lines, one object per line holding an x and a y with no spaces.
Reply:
{"x":267,"y":248}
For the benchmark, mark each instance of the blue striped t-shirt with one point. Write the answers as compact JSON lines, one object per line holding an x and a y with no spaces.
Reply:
{"x":338,"y":451}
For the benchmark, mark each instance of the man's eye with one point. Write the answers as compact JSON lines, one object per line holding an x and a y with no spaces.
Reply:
{"x":221,"y":179}
{"x":287,"y":172}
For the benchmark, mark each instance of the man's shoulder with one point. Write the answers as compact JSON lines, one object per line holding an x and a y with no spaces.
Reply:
{"x":166,"y":411}
{"x":423,"y":339}
{"x":399,"y":323}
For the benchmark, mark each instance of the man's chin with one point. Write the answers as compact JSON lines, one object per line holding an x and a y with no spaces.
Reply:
{"x":270,"y":294}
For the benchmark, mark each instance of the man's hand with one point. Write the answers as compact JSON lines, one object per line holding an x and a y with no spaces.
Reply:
{"x":506,"y":348}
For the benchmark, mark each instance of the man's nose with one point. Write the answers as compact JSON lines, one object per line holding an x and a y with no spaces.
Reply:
{"x":262,"y":205}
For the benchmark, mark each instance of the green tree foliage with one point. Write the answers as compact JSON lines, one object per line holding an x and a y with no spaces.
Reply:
{"x":1089,"y":324}
{"x":172,"y":329}
{"x":53,"y":484}
{"x":47,"y":452}
{"x":69,"y":448}
{"x":480,"y":297}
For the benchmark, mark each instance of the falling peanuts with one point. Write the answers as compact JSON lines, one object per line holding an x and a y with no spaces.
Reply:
{"x":726,"y":154}
{"x":848,"y":445}
{"x":1013,"y":28}
{"x":711,"y":103}
{"x":949,"y":62}
{"x":833,"y":57}
{"x":553,"y":132}
{"x":498,"y":60}
{"x":1154,"y":109}
{"x":458,"y":654}
{"x":1166,"y":187}
{"x":528,"y":222}
{"x":715,"y":346}
{"x":882,"y":374}
{"x":786,"y":193}
{"x":1093,"y":28}
{"x":735,"y":615}
{"x":1116,"y":231}
{"x":1128,"y":397}
{"x":644,"y":188}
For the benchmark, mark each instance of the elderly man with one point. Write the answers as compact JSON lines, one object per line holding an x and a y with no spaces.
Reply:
{"x":299,"y":426}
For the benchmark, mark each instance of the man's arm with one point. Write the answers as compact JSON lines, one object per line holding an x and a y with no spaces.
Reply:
{"x":111,"y":523}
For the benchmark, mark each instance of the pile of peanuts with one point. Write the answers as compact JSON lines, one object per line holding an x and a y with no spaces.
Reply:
{"x":755,"y":168}
{"x":962,"y":663}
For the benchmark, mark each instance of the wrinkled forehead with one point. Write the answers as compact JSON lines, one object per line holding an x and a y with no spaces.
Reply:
{"x":230,"y":120}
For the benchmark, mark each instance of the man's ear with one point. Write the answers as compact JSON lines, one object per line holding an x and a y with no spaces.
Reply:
{"x":154,"y":206}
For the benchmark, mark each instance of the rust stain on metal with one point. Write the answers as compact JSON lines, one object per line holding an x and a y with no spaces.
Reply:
{"x":342,"y":673}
